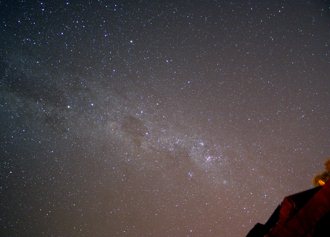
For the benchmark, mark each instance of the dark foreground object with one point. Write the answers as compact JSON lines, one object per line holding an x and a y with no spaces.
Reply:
{"x":305,"y":214}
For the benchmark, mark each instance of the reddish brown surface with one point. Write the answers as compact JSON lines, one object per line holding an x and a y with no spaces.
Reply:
{"x":300,"y":213}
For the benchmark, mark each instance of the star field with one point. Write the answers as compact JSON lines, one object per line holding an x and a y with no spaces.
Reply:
{"x":159,"y":118}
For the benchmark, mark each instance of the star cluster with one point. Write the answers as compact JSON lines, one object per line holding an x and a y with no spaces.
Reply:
{"x":158,"y":118}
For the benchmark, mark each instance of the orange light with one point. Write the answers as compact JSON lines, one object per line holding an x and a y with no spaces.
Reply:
{"x":321,"y":182}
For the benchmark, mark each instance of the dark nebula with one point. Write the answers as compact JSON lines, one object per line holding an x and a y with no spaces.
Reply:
{"x":159,"y":118}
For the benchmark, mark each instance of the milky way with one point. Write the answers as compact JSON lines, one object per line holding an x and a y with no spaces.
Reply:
{"x":159,"y":118}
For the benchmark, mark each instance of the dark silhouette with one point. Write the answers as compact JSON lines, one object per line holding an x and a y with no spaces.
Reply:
{"x":305,"y":214}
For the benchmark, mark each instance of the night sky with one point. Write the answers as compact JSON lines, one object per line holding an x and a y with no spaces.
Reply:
{"x":159,"y":118}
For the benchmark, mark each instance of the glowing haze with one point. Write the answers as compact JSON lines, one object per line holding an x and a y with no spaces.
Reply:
{"x":159,"y":118}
